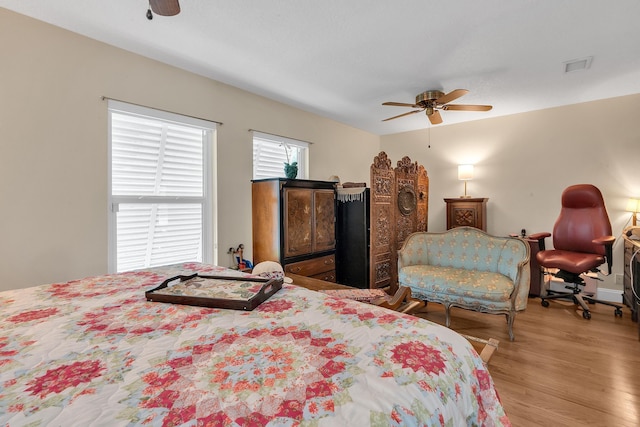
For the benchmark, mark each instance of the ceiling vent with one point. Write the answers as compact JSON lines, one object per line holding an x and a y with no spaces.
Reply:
{"x":577,"y":64}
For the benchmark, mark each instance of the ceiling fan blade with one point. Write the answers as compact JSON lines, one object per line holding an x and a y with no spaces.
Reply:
{"x":402,"y":115}
{"x":461,"y":107}
{"x":435,"y":118}
{"x":165,"y":7}
{"x":454,"y":94}
{"x":400,"y":104}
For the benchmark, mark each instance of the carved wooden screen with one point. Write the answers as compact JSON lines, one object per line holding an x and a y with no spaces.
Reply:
{"x":399,"y":207}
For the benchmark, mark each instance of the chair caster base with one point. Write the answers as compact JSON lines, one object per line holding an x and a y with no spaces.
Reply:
{"x":586,"y":314}
{"x":618,"y":312}
{"x":544,"y":303}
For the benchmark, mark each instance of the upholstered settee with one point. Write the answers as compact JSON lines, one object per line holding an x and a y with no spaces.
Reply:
{"x":467,"y":268}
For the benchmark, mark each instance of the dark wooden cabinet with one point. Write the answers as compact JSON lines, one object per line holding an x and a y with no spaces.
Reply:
{"x":469,"y":212}
{"x":353,"y":227}
{"x":631,"y":237}
{"x":294,"y":224}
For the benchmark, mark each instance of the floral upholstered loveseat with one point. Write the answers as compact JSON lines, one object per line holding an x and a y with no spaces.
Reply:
{"x":467,"y":268}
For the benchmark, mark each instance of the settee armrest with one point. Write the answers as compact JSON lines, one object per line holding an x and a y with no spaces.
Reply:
{"x":414,"y":250}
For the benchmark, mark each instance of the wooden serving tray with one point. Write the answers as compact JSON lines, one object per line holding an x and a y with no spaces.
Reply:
{"x":236,"y":293}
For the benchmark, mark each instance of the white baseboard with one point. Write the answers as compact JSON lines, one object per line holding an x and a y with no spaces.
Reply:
{"x":611,"y":295}
{"x":605,"y":294}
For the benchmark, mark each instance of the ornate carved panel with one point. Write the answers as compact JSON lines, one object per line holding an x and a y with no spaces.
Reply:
{"x":325,"y":226}
{"x":406,"y":178}
{"x":297,"y":221}
{"x":382,"y":266}
{"x":382,"y":223}
{"x":423,"y":199}
{"x":464,"y":217}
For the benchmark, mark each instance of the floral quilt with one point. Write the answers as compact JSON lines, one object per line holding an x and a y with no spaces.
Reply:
{"x":95,"y":352}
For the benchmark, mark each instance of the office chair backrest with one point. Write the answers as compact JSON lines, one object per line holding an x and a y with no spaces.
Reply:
{"x":583,"y":217}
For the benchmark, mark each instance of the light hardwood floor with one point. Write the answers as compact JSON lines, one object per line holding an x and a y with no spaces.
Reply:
{"x":561,"y":370}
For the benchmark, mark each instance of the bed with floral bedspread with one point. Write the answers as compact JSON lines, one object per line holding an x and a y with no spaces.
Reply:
{"x":96,"y":352}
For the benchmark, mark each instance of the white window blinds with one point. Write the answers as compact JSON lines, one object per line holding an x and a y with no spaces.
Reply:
{"x":160,"y":188}
{"x":271,"y":152}
{"x":155,"y":158}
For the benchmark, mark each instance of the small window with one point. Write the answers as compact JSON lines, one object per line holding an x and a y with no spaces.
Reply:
{"x":160,"y":188}
{"x":271,"y":152}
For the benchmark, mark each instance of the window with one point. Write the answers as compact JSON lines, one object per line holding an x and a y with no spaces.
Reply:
{"x":271,"y":152}
{"x":161,"y":188}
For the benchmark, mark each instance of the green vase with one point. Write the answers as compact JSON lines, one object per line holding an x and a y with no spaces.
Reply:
{"x":291,"y":170}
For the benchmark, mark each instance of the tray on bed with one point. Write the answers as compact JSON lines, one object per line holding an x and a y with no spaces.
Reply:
{"x":237,"y":293}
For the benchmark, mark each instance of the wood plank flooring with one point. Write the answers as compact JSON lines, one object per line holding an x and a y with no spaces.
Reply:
{"x":561,"y":370}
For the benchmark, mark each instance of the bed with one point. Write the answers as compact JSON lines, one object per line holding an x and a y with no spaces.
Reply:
{"x":96,"y":352}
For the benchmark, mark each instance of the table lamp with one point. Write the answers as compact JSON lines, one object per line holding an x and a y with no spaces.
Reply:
{"x":632,"y":206}
{"x":465,"y":173}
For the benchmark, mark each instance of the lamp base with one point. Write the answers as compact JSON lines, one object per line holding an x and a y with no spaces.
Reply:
{"x":465,"y":192}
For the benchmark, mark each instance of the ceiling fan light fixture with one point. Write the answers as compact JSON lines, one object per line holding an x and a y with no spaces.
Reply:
{"x":165,"y":7}
{"x":432,"y":101}
{"x":577,"y":64}
{"x":428,"y":97}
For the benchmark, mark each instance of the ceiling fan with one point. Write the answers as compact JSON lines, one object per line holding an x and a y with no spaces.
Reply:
{"x":433,"y":100}
{"x":163,"y":8}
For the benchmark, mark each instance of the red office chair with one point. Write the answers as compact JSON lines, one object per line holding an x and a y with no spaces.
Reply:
{"x":582,"y":242}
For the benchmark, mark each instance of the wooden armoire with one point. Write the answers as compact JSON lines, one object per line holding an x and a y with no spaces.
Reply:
{"x":294,"y":225}
{"x":399,"y":206}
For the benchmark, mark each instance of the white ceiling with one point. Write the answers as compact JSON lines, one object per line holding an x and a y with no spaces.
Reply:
{"x":343,"y":58}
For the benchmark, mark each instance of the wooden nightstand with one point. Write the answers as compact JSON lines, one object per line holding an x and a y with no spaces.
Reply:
{"x":470,"y":212}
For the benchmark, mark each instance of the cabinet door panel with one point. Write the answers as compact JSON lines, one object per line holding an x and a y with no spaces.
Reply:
{"x":324,"y":226}
{"x":470,"y":212}
{"x":297,"y":221}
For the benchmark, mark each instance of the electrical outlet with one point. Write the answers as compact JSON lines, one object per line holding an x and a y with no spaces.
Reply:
{"x":619,"y":279}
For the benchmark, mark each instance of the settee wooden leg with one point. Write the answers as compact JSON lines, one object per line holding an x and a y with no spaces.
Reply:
{"x":447,"y":312}
{"x":510,"y":319}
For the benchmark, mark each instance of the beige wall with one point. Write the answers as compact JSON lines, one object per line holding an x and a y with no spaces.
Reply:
{"x":53,"y":146}
{"x":53,"y":151}
{"x":523,"y":162}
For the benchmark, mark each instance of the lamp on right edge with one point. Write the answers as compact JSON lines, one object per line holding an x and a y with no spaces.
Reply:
{"x":632,"y":206}
{"x":465,"y":173}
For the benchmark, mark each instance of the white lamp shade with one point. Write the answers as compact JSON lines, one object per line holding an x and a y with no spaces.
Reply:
{"x":632,"y":205}
{"x":465,"y":172}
